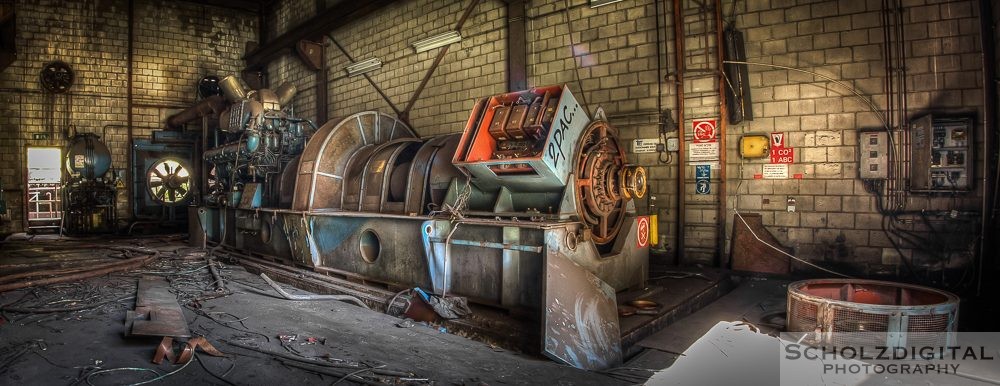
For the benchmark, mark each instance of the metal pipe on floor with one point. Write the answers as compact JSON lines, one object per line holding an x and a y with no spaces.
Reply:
{"x":220,"y":285}
{"x":288,"y":296}
{"x":315,"y":361}
{"x":117,"y":267}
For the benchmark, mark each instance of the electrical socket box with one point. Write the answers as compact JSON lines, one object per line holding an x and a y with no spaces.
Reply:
{"x":941,"y":154}
{"x":873,"y":154}
{"x":673,"y":144}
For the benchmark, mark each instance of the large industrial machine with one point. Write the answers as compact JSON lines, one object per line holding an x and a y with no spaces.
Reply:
{"x":528,"y":214}
{"x":90,"y":193}
{"x":259,"y":137}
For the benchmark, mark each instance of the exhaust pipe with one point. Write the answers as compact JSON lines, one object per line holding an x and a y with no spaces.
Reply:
{"x":232,"y":89}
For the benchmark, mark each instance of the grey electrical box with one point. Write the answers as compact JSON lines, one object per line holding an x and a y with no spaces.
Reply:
{"x":941,"y":154}
{"x":673,"y":144}
{"x":873,"y":154}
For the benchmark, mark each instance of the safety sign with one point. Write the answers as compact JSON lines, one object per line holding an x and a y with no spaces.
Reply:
{"x":702,"y":177}
{"x":704,"y":130}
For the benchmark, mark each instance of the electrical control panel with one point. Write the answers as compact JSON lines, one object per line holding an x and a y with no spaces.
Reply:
{"x":941,"y":154}
{"x":873,"y":154}
{"x":523,"y":140}
{"x":755,"y":146}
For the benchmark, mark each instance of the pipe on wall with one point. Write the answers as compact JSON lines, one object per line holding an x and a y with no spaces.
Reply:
{"x":213,"y":104}
{"x":990,"y":158}
{"x":721,"y":260}
{"x":129,"y":100}
{"x":681,"y":170}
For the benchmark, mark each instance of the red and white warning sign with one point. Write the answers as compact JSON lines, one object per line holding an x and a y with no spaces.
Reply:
{"x":777,"y":140}
{"x":781,"y":154}
{"x":704,"y":130}
{"x":642,"y":236}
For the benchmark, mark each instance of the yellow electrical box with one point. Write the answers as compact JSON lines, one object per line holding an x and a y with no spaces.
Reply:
{"x":654,"y":230}
{"x":754,"y":146}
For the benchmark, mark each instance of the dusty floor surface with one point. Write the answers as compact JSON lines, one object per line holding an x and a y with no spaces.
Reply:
{"x":76,"y":347}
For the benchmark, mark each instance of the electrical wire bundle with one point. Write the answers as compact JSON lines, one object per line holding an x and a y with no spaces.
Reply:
{"x":937,"y":245}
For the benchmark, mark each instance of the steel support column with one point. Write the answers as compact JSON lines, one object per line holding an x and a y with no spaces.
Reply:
{"x":721,"y":259}
{"x":517,"y":50}
{"x":681,"y":169}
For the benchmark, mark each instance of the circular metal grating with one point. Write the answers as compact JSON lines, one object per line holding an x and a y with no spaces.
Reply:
{"x":869,"y":308}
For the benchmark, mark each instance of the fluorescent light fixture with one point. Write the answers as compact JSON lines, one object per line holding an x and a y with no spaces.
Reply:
{"x":437,"y":41}
{"x":598,"y":3}
{"x":363,"y":66}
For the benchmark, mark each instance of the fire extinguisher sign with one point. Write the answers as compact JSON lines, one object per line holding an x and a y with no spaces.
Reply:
{"x":642,"y":236}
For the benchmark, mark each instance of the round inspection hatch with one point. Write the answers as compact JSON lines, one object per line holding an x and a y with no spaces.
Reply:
{"x":370,"y":246}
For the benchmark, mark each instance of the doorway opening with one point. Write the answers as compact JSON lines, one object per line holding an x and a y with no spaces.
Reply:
{"x":44,"y":185}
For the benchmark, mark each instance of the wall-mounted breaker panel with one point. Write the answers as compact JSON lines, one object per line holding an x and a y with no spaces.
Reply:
{"x":941,"y":154}
{"x":873,"y":154}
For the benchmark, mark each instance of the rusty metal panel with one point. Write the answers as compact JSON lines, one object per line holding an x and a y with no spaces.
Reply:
{"x":419,"y":174}
{"x":156,"y":311}
{"x":323,"y":168}
{"x":751,"y":255}
{"x":311,"y":53}
{"x":380,"y":249}
{"x":581,"y":317}
{"x":511,"y":289}
{"x":300,"y":243}
{"x":375,"y":177}
{"x":625,"y":267}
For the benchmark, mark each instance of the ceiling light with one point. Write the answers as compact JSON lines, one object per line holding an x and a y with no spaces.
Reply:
{"x":598,"y":3}
{"x":364,"y":66}
{"x":437,"y":41}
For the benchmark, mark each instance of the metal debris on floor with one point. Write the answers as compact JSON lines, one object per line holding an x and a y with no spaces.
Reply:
{"x":149,"y":322}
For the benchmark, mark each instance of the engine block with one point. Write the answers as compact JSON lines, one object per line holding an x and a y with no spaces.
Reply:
{"x":259,"y":138}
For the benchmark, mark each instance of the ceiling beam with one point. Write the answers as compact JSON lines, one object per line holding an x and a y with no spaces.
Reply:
{"x":252,"y":6}
{"x":327,"y":20}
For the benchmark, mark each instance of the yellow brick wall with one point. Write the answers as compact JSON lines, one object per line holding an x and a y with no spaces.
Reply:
{"x":175,"y":44}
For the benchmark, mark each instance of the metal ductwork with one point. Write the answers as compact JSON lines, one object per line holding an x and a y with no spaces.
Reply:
{"x":211,"y":105}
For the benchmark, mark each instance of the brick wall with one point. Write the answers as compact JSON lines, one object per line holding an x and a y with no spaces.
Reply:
{"x":288,"y":68}
{"x":608,"y":57}
{"x":470,"y":70}
{"x":176,"y":43}
{"x":836,"y":220}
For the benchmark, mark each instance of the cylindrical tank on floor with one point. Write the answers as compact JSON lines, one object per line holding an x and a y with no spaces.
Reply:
{"x":845,"y":312}
{"x":87,"y":156}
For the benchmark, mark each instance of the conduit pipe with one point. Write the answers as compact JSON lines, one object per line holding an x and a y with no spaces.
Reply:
{"x":288,"y":296}
{"x":681,"y":169}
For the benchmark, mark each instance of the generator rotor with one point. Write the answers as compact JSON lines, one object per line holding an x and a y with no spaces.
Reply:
{"x":605,"y":182}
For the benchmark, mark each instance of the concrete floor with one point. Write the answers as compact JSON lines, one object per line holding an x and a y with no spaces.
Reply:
{"x":63,"y":347}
